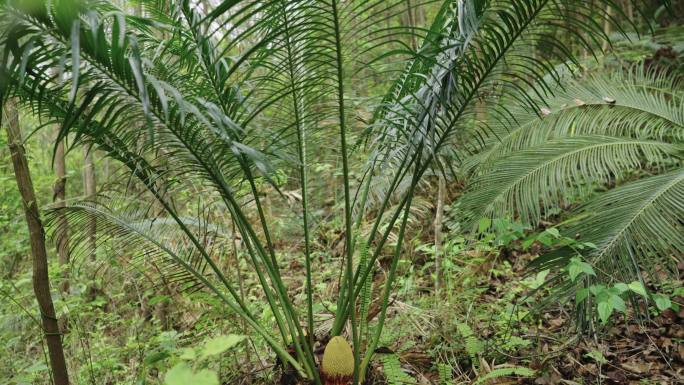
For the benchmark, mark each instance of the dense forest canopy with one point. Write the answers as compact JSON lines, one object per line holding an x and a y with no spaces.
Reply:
{"x":342,"y":191}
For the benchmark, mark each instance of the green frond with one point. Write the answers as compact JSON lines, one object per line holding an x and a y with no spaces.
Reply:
{"x":485,"y":53}
{"x":635,"y":227}
{"x":635,"y":104}
{"x":176,"y":255}
{"x":555,"y":173}
{"x":393,"y":372}
{"x":145,"y":241}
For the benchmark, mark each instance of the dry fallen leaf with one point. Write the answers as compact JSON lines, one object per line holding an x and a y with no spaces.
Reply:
{"x":636,"y":367}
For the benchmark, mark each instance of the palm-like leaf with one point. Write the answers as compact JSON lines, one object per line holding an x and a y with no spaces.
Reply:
{"x":481,"y":55}
{"x":635,"y":104}
{"x":529,"y":182}
{"x":635,"y":227}
{"x":596,"y":133}
{"x":589,"y":135}
{"x":196,"y":111}
{"x":149,"y":242}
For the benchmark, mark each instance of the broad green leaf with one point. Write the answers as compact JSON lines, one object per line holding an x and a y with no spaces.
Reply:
{"x":577,"y":267}
{"x":605,"y":309}
{"x":597,"y":289}
{"x":182,"y":374}
{"x":541,"y":276}
{"x":553,"y":231}
{"x":581,"y":295}
{"x":662,"y":301}
{"x":528,"y":242}
{"x":637,"y":287}
{"x":574,"y":270}
{"x":545,"y":239}
{"x":220,"y":344}
{"x":597,"y":356}
{"x":618,"y":303}
{"x":587,"y":269}
{"x":613,"y":291}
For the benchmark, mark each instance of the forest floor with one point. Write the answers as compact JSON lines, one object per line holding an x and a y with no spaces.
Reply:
{"x":629,"y":351}
{"x":486,"y":327}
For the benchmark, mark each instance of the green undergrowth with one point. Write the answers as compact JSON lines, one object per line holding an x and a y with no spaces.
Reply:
{"x":496,"y":317}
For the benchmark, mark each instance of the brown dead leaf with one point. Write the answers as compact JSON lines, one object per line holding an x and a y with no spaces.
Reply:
{"x":617,"y":376}
{"x":556,"y":322}
{"x":550,"y":378}
{"x":636,"y":367}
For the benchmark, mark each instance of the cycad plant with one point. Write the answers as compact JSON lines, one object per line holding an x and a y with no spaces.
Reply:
{"x":209,"y":100}
{"x":613,"y":142}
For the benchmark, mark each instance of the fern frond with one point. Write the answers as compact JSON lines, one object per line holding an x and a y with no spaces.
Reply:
{"x":146,"y":241}
{"x":395,"y":375}
{"x":473,"y":345}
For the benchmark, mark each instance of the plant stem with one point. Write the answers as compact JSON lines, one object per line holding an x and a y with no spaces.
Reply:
{"x":345,"y":176}
{"x":301,"y":152}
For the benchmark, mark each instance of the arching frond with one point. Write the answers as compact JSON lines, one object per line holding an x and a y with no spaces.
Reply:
{"x":530,"y":181}
{"x":484,"y":53}
{"x":634,"y":104}
{"x":146,"y":241}
{"x":636,"y":227}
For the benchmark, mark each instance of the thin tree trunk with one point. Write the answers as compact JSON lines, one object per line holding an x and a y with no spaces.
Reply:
{"x":412,"y":24}
{"x":90,"y":192}
{"x":41,"y":283}
{"x":607,"y":26}
{"x":629,"y":9}
{"x":439,"y":214}
{"x":62,"y":230}
{"x":420,"y":16}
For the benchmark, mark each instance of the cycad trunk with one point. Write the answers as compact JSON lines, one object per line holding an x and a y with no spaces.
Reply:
{"x":41,"y":283}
